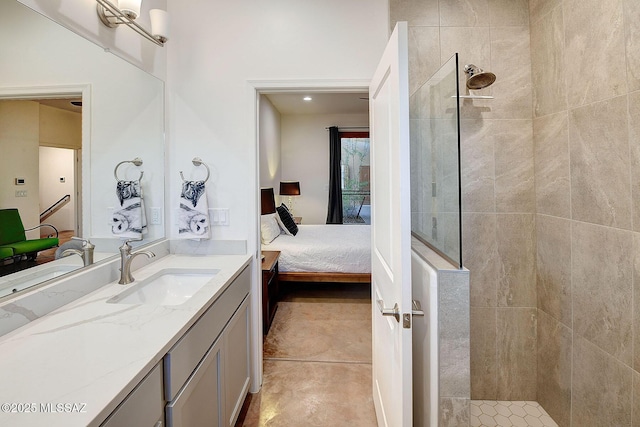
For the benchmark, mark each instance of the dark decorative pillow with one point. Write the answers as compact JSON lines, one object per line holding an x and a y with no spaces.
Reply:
{"x":287,"y":219}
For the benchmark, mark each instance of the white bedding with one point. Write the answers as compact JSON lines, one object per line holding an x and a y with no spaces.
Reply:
{"x":330,"y":248}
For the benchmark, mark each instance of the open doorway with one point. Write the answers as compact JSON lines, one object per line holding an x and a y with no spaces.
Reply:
{"x":293,"y":145}
{"x":42,"y":169}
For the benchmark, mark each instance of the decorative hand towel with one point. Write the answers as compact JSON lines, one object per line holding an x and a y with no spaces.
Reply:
{"x":193,"y":215}
{"x":129,"y":222}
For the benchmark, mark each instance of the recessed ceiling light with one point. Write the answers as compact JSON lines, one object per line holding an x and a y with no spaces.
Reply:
{"x":307,"y":98}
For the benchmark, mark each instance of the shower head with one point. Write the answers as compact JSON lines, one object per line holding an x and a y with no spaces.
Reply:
{"x":477,"y":78}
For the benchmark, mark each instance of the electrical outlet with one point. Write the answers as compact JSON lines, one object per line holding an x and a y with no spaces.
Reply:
{"x":21,"y":193}
{"x":156,"y":216}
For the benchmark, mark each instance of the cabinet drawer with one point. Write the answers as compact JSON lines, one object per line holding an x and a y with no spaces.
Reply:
{"x":183,"y":357}
{"x":144,"y":406}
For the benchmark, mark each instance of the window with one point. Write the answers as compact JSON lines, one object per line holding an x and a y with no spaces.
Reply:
{"x":354,"y":167}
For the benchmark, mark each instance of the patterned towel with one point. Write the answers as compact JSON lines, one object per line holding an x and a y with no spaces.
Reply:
{"x":193,"y":215}
{"x":130,"y":221}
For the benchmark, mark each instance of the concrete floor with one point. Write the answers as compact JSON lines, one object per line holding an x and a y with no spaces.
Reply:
{"x":317,"y":360}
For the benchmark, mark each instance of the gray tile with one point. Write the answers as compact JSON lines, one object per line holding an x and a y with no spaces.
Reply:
{"x":634,"y":144}
{"x":480,"y":256}
{"x":636,"y":303}
{"x":596,"y":65}
{"x":453,"y":308}
{"x":514,"y":186}
{"x":539,"y":8}
{"x":601,"y":276}
{"x":511,"y":63}
{"x":554,"y":368}
{"x":422,"y":13}
{"x":516,"y":254}
{"x":516,"y":353}
{"x":600,"y":165}
{"x":552,"y":171}
{"x":424,"y":46}
{"x":483,"y":353}
{"x":548,"y":64}
{"x":509,"y":12}
{"x":464,"y":13}
{"x":632,"y":35}
{"x":602,"y":387}
{"x":553,"y":267}
{"x":454,"y":412}
{"x":477,"y":166}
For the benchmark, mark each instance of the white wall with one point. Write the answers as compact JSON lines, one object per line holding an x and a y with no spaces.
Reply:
{"x":218,"y":47}
{"x":54,"y":164}
{"x":305,"y":158}
{"x":269,"y":144}
{"x":80,"y":16}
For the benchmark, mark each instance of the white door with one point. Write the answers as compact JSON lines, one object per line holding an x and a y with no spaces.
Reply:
{"x":391,"y":234}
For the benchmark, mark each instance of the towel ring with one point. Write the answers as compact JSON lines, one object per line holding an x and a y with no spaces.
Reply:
{"x":137,"y":161}
{"x":197,"y":161}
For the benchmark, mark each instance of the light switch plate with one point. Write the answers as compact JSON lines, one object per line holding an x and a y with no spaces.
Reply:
{"x":219,"y":216}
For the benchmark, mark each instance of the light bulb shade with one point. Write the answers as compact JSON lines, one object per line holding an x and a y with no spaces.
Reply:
{"x":267,"y":201}
{"x":289,"y":188}
{"x":131,"y":8}
{"x":159,"y":24}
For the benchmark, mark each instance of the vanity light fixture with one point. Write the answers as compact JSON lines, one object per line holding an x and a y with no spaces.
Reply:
{"x":112,"y":16}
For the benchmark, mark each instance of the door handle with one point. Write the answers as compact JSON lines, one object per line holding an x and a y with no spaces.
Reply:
{"x":395,"y":311}
{"x":416,"y":308}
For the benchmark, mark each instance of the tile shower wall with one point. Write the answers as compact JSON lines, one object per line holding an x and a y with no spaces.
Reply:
{"x":586,"y":127}
{"x":497,"y":175}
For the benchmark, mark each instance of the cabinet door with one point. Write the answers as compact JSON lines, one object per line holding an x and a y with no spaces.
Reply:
{"x":236,"y":362}
{"x":144,"y":407}
{"x":199,"y":403}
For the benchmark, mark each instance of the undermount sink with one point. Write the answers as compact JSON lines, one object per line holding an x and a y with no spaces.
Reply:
{"x":172,"y":286}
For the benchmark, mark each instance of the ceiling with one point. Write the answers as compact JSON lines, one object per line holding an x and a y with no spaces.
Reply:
{"x":64,"y":104}
{"x":321,"y":103}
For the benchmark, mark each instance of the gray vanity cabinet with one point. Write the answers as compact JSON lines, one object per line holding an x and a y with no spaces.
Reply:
{"x":144,"y":406}
{"x":207,"y":372}
{"x":204,"y":377}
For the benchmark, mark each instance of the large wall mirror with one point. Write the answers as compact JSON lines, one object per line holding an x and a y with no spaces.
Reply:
{"x":44,"y":66}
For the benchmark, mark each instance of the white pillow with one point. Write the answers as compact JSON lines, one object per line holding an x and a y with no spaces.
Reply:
{"x":269,"y":228}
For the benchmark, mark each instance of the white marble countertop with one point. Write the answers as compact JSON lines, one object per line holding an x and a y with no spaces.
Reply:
{"x":90,"y":354}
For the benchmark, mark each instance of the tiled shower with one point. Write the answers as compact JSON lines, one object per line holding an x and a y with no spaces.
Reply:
{"x":551,"y":196}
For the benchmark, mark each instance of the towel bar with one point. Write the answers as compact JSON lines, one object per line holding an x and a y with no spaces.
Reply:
{"x":137,"y":161}
{"x":197,"y":161}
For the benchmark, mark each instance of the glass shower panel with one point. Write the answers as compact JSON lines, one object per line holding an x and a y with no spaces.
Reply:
{"x":435,"y":163}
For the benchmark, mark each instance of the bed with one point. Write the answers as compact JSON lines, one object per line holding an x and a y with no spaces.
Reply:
{"x":324,"y":253}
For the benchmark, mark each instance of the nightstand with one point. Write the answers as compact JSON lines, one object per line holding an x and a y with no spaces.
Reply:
{"x":297,"y":219}
{"x":269,"y":288}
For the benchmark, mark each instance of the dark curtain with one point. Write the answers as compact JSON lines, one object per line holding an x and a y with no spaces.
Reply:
{"x":334,"y":214}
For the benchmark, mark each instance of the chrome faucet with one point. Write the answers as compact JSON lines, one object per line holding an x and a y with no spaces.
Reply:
{"x":86,"y":253}
{"x":125,"y":262}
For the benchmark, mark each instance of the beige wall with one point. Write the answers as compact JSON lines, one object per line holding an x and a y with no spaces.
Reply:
{"x":497,"y":179}
{"x":586,"y":57}
{"x":269,"y":145}
{"x":19,"y":159}
{"x":305,"y":158}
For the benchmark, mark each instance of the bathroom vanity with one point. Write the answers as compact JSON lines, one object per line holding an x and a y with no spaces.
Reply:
{"x":123,"y":357}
